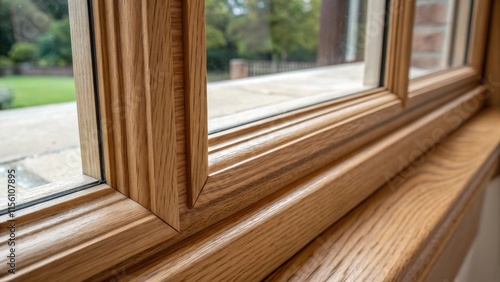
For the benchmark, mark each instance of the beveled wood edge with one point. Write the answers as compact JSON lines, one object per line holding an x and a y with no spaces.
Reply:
{"x":254,"y":237}
{"x":195,"y":85}
{"x":419,"y":258}
{"x":239,"y":155}
{"x":161,"y":130}
{"x":229,"y":136}
{"x":137,"y":96}
{"x":115,"y":229}
{"x":84,"y":85}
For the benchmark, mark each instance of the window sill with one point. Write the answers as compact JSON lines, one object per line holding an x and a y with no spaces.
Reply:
{"x":423,"y":211}
{"x":251,"y":244}
{"x":80,"y":235}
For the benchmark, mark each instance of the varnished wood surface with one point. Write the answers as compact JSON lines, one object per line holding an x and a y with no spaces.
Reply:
{"x":381,"y":240}
{"x":137,"y":93}
{"x":479,"y":34}
{"x":252,"y":243}
{"x":159,"y":83}
{"x":84,"y":87}
{"x":450,"y":250}
{"x":398,"y":50}
{"x":340,"y":177}
{"x":258,"y":162}
{"x":206,"y":178}
{"x":79,"y":235}
{"x":195,"y":87}
{"x":245,"y":182}
{"x":425,"y":89}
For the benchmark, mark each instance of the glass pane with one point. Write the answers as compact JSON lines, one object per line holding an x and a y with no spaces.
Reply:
{"x":266,"y":57}
{"x":440,"y":35}
{"x":39,"y":133}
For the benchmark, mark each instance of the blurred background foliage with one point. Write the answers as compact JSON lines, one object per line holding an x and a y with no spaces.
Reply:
{"x":35,"y":31}
{"x":277,"y":30}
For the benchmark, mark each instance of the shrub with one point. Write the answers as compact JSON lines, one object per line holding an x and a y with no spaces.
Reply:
{"x":5,"y":62}
{"x":22,"y":52}
{"x":6,"y":97}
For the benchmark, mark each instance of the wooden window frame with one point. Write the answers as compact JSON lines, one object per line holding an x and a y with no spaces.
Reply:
{"x":155,"y":139}
{"x":224,"y":155}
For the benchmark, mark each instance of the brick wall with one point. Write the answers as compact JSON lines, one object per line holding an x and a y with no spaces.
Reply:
{"x":431,"y":33}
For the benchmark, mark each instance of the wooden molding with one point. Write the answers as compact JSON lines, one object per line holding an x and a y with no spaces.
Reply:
{"x":195,"y":84}
{"x":250,"y":244}
{"x":200,"y":170}
{"x":479,"y":34}
{"x":425,"y":89}
{"x":401,"y":14}
{"x":136,"y":90}
{"x":255,"y":164}
{"x":421,"y":211}
{"x":79,"y":235}
{"x":247,"y":159}
{"x":84,"y":85}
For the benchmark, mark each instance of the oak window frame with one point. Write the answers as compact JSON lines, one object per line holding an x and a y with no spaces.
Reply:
{"x":147,"y":113}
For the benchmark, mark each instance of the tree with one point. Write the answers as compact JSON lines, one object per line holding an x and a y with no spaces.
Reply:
{"x":220,"y":48}
{"x":276,"y":27}
{"x":6,"y":32}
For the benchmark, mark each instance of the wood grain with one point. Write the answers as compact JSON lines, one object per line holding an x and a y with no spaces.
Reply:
{"x":160,"y":111}
{"x":76,"y":236}
{"x":382,"y":239}
{"x":266,"y":164}
{"x":250,"y":245}
{"x":84,"y":87}
{"x":201,"y":170}
{"x":425,"y":89}
{"x":137,"y":86}
{"x":195,"y":84}
{"x":243,"y":160}
{"x":450,"y":254}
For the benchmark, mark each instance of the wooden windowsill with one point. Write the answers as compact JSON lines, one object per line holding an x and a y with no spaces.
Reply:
{"x":79,"y":235}
{"x":405,"y":230}
{"x":252,"y":243}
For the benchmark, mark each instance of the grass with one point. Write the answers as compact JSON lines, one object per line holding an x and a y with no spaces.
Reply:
{"x":39,"y":90}
{"x":217,"y":76}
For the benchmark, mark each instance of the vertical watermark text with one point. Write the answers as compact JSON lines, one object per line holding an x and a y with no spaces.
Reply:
{"x":11,"y":211}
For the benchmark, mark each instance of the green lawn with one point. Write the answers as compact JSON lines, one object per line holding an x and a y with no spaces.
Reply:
{"x":39,"y":90}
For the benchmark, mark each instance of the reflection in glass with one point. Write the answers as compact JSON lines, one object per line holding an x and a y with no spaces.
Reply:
{"x":440,"y":35}
{"x":266,"y":57}
{"x":38,"y":118}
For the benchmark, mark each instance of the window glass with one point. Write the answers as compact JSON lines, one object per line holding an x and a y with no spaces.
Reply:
{"x":266,"y":57}
{"x":39,"y":141}
{"x":440,"y":35}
